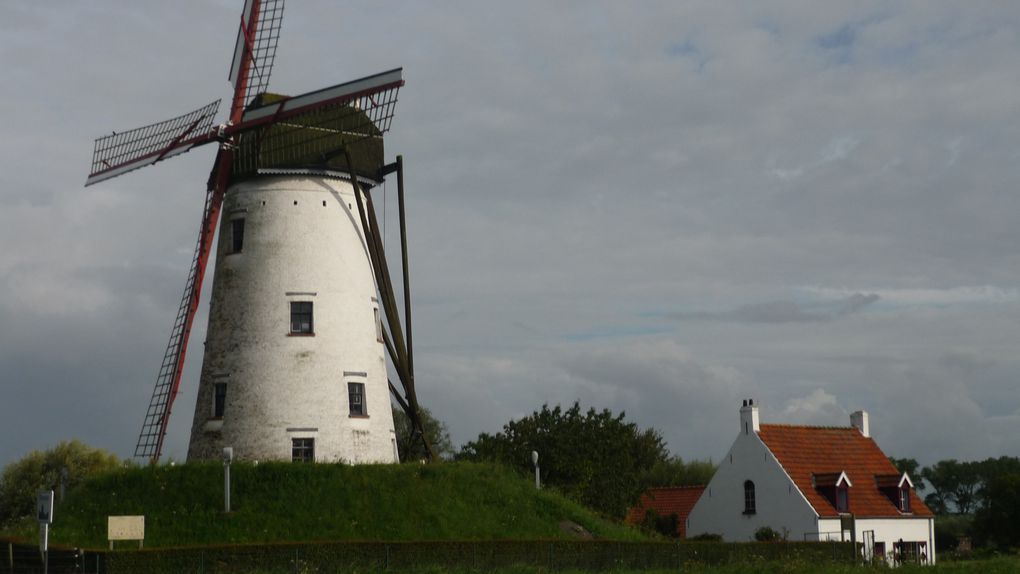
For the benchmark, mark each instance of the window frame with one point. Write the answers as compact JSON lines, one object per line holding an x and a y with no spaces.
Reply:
{"x":353,"y":386}
{"x":750,"y":503}
{"x":297,"y":313}
{"x":302,"y":449}
{"x":843,"y":499}
{"x":219,"y":400}
{"x":237,"y":239}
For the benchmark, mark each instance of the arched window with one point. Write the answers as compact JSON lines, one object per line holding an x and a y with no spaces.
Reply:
{"x":748,"y":497}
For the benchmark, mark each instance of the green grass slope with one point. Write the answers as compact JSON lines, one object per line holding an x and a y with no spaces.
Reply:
{"x":276,"y":502}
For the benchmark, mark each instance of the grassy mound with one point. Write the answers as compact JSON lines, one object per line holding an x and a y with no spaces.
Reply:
{"x":274,"y":502}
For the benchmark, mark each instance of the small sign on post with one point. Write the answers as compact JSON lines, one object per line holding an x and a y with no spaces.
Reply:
{"x":125,"y":528}
{"x":44,"y":507}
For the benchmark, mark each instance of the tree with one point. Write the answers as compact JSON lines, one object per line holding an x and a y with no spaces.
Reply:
{"x":912,"y":468}
{"x":410,"y":447}
{"x":996,"y":521}
{"x":943,"y":477}
{"x":675,"y":472}
{"x":596,"y":458}
{"x":23,"y":479}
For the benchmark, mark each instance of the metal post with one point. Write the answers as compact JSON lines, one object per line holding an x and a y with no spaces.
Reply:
{"x":534,"y":460}
{"x":46,"y":547}
{"x":228,"y":456}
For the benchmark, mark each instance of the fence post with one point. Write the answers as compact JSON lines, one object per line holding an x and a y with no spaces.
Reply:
{"x":387,"y":557}
{"x":10,"y":556}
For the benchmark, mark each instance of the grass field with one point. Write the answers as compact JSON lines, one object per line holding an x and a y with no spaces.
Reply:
{"x":272,"y":502}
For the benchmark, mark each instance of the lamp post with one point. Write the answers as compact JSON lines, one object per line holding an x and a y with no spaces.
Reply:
{"x":534,"y":461}
{"x":228,"y":457}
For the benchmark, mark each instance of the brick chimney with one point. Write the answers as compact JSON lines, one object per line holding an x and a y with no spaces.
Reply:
{"x":859,"y":420}
{"x":749,"y":417}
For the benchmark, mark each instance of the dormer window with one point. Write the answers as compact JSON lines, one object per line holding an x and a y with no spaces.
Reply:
{"x":897,"y":488}
{"x":835,"y":487}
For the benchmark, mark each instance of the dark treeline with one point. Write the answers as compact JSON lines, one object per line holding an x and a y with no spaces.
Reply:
{"x":979,"y":500}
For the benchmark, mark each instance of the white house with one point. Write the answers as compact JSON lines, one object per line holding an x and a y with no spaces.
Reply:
{"x":815,"y":483}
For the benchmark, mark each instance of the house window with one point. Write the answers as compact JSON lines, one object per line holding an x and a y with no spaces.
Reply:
{"x":904,"y":499}
{"x":880,"y":550}
{"x":236,"y":235}
{"x":748,"y":497}
{"x":356,"y":399}
{"x":303,"y":450}
{"x":219,"y":399}
{"x":842,"y":499}
{"x":301,"y":317}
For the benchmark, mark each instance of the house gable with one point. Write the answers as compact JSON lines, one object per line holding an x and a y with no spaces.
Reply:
{"x":777,"y":501}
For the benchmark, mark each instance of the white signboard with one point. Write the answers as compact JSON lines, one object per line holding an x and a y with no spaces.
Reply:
{"x":125,"y":528}
{"x":44,"y":507}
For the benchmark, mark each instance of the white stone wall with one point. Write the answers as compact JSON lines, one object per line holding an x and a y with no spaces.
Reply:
{"x":779,"y":504}
{"x":302,"y":242}
{"x":887,"y":530}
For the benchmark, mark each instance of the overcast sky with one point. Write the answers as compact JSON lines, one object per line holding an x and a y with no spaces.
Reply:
{"x":656,"y":207}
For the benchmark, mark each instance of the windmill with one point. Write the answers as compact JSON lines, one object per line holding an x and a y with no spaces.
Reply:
{"x":303,"y":305}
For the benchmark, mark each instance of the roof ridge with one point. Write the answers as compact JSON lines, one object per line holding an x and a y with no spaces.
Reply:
{"x":829,"y":427}
{"x":688,"y":487}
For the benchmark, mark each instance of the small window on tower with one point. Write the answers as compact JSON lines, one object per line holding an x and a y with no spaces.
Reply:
{"x":301,"y":318}
{"x":219,"y":399}
{"x":356,"y":399}
{"x":378,"y":326}
{"x":236,"y":235}
{"x":303,"y":450}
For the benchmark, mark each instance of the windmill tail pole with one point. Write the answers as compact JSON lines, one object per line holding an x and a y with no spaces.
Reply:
{"x":398,"y":351}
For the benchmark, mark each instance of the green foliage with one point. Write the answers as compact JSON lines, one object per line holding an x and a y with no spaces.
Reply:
{"x":996,"y":522}
{"x":667,"y":526}
{"x":768,"y":534}
{"x":596,"y":458}
{"x":673,"y":471}
{"x":410,"y":447}
{"x":277,"y":502}
{"x":40,"y":470}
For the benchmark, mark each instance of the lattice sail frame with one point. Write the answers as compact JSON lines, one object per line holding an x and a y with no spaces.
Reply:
{"x":250,"y":75}
{"x":119,"y":153}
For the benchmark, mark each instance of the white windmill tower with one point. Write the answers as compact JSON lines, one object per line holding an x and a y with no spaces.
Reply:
{"x":302,"y":306}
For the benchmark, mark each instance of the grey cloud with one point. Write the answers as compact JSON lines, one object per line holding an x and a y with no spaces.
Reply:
{"x":785,"y":311}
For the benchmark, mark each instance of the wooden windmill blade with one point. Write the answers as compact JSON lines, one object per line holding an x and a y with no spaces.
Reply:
{"x":254,"y":50}
{"x":119,"y":153}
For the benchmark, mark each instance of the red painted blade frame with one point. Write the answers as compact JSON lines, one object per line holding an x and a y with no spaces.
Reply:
{"x":153,"y":434}
{"x":255,"y":49}
{"x":119,"y":153}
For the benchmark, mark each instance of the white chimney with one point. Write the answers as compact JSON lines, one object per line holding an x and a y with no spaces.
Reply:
{"x":749,"y":417}
{"x":859,"y":420}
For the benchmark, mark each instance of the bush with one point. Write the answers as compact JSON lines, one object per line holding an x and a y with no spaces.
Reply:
{"x":23,"y":479}
{"x":767,"y":534}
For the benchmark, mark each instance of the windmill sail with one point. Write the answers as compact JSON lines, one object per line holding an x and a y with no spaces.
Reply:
{"x":119,"y":153}
{"x":255,"y":49}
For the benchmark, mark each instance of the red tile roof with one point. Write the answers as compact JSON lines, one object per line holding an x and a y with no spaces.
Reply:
{"x":665,"y":501}
{"x":805,"y":451}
